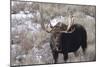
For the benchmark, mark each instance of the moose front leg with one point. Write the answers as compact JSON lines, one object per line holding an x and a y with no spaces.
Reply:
{"x":55,"y":56}
{"x":65,"y":56}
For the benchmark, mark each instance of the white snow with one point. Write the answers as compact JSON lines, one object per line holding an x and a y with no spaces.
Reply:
{"x":22,"y":15}
{"x":33,"y":26}
{"x":24,"y":21}
{"x":21,"y":28}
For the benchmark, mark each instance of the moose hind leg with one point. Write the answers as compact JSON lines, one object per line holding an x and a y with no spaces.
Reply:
{"x":55,"y":56}
{"x":65,"y":56}
{"x":84,"y":46}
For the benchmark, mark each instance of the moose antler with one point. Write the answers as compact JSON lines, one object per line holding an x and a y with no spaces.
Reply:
{"x":49,"y":28}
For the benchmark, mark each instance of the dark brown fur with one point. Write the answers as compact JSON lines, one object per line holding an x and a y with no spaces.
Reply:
{"x":64,"y":43}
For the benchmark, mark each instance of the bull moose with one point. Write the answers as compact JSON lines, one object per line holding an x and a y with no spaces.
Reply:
{"x":66,"y":42}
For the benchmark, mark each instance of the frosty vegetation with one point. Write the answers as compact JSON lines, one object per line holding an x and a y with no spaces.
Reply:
{"x":30,"y":43}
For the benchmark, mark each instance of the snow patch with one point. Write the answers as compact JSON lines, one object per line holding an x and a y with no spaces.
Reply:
{"x":21,"y":15}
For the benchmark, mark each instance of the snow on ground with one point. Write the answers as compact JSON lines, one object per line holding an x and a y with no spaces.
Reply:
{"x":22,"y":21}
{"x":22,"y":15}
